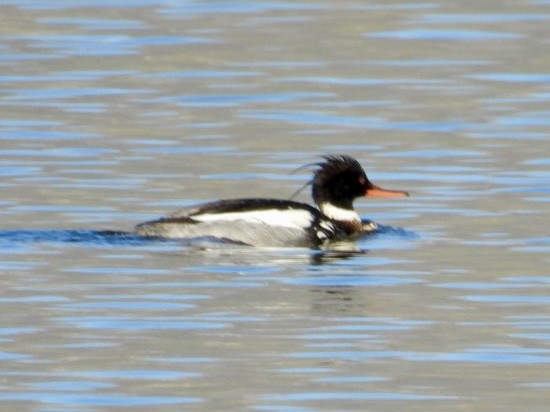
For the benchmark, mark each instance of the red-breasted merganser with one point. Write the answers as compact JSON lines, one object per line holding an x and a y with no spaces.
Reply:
{"x":337,"y":182}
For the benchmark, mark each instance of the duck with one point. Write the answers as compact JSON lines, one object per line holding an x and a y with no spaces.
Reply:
{"x":263,"y":222}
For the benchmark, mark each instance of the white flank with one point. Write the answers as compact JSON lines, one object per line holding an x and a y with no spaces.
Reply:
{"x":337,"y":213}
{"x":291,"y":218}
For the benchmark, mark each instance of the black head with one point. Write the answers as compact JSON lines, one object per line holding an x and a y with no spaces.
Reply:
{"x":340,"y":179}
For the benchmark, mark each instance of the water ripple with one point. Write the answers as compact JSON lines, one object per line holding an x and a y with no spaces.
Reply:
{"x":445,"y":34}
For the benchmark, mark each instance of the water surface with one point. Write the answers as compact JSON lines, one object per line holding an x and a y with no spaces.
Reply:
{"x":112,"y":114}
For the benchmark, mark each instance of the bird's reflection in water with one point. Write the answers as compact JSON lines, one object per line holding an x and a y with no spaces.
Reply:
{"x":336,"y":252}
{"x":337,"y":300}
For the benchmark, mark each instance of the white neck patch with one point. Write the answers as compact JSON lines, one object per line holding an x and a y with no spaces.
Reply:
{"x":337,"y":213}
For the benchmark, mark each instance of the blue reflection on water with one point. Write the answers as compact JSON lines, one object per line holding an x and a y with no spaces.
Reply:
{"x":330,"y":119}
{"x":111,"y":399}
{"x":477,"y":355}
{"x":55,"y":5}
{"x":444,"y":34}
{"x":350,"y":396}
{"x":76,"y":236}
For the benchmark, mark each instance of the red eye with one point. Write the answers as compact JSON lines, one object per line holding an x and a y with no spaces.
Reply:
{"x":362,"y":180}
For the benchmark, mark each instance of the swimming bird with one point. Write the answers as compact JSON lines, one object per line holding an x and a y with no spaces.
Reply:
{"x":337,"y":182}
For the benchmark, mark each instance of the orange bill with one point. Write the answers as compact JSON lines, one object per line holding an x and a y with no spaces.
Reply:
{"x":376,"y":191}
